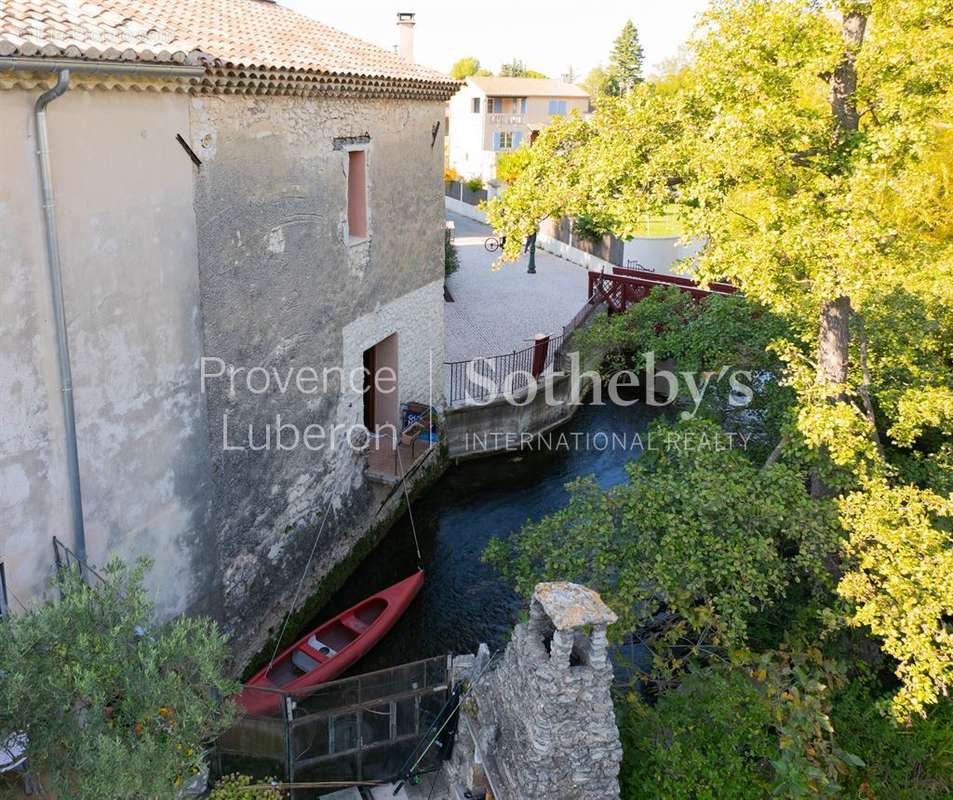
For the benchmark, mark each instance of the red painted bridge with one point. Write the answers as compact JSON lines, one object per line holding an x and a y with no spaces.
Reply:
{"x":624,"y":286}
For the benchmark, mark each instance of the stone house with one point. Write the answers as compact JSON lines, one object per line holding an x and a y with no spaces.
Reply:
{"x":490,"y":115}
{"x":241,"y":209}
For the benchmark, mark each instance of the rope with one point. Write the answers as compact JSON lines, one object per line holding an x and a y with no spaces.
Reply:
{"x":304,"y":574}
{"x":407,"y":774}
{"x":410,"y":513}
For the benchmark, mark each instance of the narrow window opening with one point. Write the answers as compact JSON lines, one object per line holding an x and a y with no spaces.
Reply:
{"x":476,"y":105}
{"x":357,"y":194}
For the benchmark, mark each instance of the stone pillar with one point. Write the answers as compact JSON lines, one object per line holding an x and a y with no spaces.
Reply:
{"x":544,"y":722}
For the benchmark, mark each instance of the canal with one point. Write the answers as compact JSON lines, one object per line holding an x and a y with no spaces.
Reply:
{"x":465,"y":602}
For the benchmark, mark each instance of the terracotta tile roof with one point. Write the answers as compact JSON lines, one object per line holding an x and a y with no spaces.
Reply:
{"x":252,"y":34}
{"x":526,"y":87}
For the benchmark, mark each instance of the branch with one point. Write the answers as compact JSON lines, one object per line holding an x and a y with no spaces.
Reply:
{"x":802,"y":158}
{"x":744,"y":217}
{"x":776,"y":453}
{"x":864,"y":388}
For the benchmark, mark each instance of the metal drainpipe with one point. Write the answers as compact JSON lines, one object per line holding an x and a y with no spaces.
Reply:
{"x":59,"y":310}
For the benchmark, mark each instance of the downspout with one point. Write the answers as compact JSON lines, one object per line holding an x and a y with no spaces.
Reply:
{"x":59,"y":311}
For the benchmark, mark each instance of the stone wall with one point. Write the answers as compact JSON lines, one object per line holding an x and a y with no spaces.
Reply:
{"x":541,"y":724}
{"x":243,"y":259}
{"x":284,"y":288}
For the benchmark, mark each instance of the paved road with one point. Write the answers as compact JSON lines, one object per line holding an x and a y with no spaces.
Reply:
{"x":498,"y":312}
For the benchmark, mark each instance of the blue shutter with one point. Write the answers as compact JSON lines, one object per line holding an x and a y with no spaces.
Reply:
{"x":562,"y":107}
{"x":517,"y":139}
{"x":496,"y":140}
{"x":523,"y":106}
{"x":552,"y":106}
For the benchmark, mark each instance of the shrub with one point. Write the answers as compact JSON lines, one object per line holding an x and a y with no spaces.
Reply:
{"x":125,"y":705}
{"x":475,"y":183}
{"x":752,"y":728}
{"x":451,"y":258}
{"x":903,"y":762}
{"x":232,"y":787}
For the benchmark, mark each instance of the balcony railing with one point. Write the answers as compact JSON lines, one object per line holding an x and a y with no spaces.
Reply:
{"x":506,"y":119}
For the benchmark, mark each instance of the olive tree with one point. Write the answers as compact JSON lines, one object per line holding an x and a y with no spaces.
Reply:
{"x":114,"y":706}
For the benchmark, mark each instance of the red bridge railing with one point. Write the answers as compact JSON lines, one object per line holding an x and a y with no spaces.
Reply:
{"x":625,"y":286}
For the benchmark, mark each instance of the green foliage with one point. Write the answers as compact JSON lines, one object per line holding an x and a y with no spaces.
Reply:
{"x":598,"y":83}
{"x":901,"y":762}
{"x":753,"y":728}
{"x":234,"y":787}
{"x":451,"y":258}
{"x":900,"y":580}
{"x":718,"y":339}
{"x":625,"y":62}
{"x":588,"y":228}
{"x":801,"y":205}
{"x":697,"y":531}
{"x":465,"y":67}
{"x":517,"y":69}
{"x":510,"y":164}
{"x":114,"y":706}
{"x":475,"y":183}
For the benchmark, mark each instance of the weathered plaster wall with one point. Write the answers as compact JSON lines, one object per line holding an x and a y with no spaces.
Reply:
{"x":126,"y":226}
{"x":281,"y":289}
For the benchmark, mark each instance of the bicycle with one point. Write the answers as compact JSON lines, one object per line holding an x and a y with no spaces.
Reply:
{"x":492,"y":244}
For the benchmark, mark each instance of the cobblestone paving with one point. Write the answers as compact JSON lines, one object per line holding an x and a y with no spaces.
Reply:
{"x":498,"y":312}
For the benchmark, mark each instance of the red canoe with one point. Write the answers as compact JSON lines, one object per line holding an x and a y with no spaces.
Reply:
{"x":332,"y":647}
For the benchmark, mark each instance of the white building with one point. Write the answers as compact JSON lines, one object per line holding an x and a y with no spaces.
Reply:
{"x":491,"y":115}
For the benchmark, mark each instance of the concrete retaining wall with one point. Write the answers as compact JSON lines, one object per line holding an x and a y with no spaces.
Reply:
{"x":479,"y":430}
{"x":464,"y":209}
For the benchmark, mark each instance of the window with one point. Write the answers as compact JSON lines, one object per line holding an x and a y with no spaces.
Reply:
{"x":476,"y":105}
{"x":522,"y":105}
{"x":557,"y":107}
{"x":357,"y":194}
{"x":506,"y":140}
{"x":495,"y":105}
{"x":3,"y":593}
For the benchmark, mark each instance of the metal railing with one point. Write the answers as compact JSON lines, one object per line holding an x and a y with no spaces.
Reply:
{"x":481,"y":379}
{"x":353,"y":729}
{"x":66,"y":559}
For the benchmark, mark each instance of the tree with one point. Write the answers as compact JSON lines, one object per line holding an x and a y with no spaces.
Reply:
{"x":598,"y":83}
{"x":808,"y":155}
{"x":625,"y":61}
{"x":510,"y":164}
{"x":698,"y":535}
{"x":113,"y":705}
{"x":467,"y":66}
{"x":517,"y":69}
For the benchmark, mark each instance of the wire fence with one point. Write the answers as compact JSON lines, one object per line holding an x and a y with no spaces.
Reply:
{"x":349,"y":730}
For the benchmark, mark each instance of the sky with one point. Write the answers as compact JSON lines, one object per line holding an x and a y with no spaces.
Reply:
{"x":548,"y":36}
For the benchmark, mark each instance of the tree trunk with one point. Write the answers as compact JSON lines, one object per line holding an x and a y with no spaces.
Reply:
{"x":843,"y":82}
{"x":834,"y":330}
{"x":832,"y":341}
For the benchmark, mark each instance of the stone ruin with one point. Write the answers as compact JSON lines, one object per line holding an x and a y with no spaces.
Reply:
{"x":540,"y":723}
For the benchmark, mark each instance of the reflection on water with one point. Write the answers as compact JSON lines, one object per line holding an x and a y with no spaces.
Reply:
{"x":463,"y":601}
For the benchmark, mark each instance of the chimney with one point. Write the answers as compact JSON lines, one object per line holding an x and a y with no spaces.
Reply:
{"x":405,"y":23}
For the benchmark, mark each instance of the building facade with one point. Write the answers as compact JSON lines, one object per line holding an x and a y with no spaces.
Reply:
{"x":490,"y":115}
{"x":248,"y":211}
